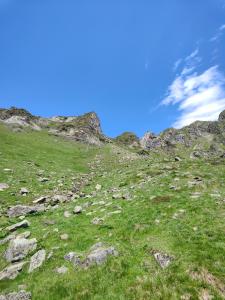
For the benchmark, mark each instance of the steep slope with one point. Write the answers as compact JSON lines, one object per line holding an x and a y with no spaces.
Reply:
{"x":114,"y":225}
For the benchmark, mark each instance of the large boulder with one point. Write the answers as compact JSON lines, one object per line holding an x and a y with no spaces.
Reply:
{"x":12,"y":271}
{"x":23,"y":210}
{"x":98,"y":254}
{"x":19,"y":249}
{"x":37,"y":260}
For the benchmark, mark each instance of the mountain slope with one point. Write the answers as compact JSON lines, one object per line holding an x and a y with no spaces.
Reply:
{"x":160,"y":219}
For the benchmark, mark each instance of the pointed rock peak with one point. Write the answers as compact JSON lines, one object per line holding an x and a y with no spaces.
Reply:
{"x":14,"y":111}
{"x":222,"y":116}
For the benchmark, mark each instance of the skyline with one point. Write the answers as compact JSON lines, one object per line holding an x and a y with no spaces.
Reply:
{"x":140,"y":66}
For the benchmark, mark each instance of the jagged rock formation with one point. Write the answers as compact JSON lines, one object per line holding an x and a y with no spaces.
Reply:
{"x":212,"y":132}
{"x":85,"y":128}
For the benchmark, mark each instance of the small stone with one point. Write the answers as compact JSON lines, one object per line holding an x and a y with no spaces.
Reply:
{"x":177,"y":158}
{"x":77,"y":210}
{"x":64,"y":236}
{"x":97,"y":221}
{"x":98,"y":187}
{"x":22,"y":224}
{"x":43,"y":179}
{"x":117,"y":196}
{"x":3,"y":186}
{"x":163,"y":259}
{"x":24,"y":191}
{"x":40,"y":200}
{"x":61,"y":270}
{"x":37,"y":260}
{"x":67,"y":214}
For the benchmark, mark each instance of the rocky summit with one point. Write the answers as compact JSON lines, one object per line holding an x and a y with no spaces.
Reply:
{"x":86,"y":216}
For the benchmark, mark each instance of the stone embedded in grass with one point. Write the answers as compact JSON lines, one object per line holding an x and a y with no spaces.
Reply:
{"x":21,"y":295}
{"x":22,"y":224}
{"x":162,"y":259}
{"x":24,"y":191}
{"x":67,"y":214}
{"x":58,"y":199}
{"x":98,"y":187}
{"x":37,"y":260}
{"x":77,"y":210}
{"x":64,"y":236}
{"x":40,"y":200}
{"x":97,"y":221}
{"x":117,"y":196}
{"x":19,"y":249}
{"x":12,"y":271}
{"x":61,"y":270}
{"x":74,"y":258}
{"x":177,"y":158}
{"x":3,"y":186}
{"x":23,"y":210}
{"x":98,"y":254}
{"x":43,"y":179}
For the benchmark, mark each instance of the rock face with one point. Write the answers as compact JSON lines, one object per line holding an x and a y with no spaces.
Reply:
{"x":21,"y":295}
{"x":85,"y":128}
{"x":19,"y":248}
{"x":188,"y":135}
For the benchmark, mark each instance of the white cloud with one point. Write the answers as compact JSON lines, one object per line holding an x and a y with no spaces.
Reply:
{"x":222,"y":27}
{"x":176,"y":64}
{"x":219,"y":33}
{"x":198,"y":96}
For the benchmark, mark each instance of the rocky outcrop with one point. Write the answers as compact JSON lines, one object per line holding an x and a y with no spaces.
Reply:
{"x":85,"y":128}
{"x":211,"y":131}
{"x":128,"y":139}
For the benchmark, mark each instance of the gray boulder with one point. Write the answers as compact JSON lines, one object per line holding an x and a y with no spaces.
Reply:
{"x":22,"y":224}
{"x":19,"y":248}
{"x":3,"y":186}
{"x":12,"y":271}
{"x":98,"y":254}
{"x":37,"y":260}
{"x":77,"y":210}
{"x":21,"y":295}
{"x":23,"y":210}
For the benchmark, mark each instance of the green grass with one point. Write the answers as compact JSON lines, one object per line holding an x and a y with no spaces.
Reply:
{"x":156,"y":218}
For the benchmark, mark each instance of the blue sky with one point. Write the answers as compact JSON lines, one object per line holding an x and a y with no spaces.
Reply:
{"x":141,"y":65}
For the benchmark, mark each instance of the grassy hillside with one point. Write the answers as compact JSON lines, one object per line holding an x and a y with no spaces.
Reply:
{"x":146,"y":205}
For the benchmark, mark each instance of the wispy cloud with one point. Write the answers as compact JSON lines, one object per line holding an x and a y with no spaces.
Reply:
{"x":176,"y":64}
{"x":218,"y":34}
{"x":198,"y":96}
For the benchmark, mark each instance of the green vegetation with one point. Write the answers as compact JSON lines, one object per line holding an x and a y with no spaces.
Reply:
{"x":172,"y":207}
